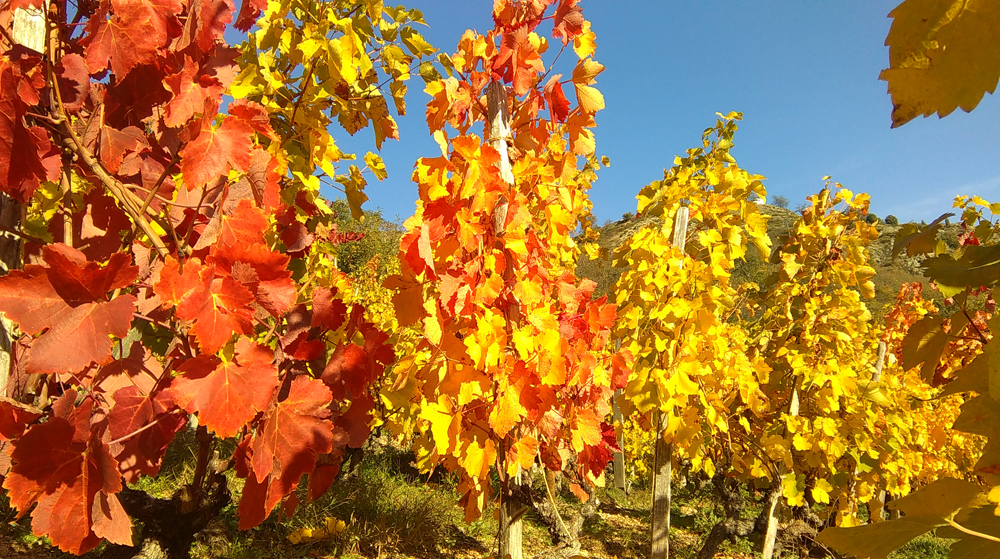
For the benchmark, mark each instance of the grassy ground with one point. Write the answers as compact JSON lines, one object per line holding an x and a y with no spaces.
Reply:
{"x":387,"y":512}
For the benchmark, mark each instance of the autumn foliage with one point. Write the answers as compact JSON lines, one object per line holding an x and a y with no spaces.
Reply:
{"x":175,"y":267}
{"x":514,"y":360}
{"x":176,"y":257}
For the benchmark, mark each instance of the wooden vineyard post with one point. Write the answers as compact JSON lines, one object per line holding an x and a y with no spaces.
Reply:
{"x":10,"y":258}
{"x":26,"y":31}
{"x":877,"y":505}
{"x":663,"y":456}
{"x":618,"y":457}
{"x":774,"y":502}
{"x":877,"y":375}
{"x":616,"y":417}
{"x":511,"y":508}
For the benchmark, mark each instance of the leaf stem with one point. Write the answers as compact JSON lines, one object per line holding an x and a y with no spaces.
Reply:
{"x":971,"y":532}
{"x":972,"y":323}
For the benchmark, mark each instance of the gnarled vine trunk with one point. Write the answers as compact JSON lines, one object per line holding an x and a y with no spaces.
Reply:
{"x":170,"y":526}
{"x":732,"y":526}
{"x":564,"y":532}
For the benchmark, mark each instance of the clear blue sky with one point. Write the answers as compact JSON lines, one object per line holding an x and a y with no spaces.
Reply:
{"x":805,"y":75}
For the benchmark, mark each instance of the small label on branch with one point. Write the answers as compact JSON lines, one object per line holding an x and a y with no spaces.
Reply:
{"x":29,"y":28}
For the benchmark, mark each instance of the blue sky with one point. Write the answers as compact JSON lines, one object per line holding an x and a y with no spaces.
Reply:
{"x":805,"y":75}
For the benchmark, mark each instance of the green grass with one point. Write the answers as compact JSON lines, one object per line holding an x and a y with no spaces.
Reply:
{"x":924,"y":547}
{"x":386,"y":515}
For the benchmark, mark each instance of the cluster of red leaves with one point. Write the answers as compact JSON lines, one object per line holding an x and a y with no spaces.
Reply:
{"x":294,"y":411}
{"x":134,"y":101}
{"x":499,"y":312}
{"x":918,"y":335}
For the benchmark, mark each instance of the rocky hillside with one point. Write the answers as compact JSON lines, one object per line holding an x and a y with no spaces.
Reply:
{"x":888,"y":277}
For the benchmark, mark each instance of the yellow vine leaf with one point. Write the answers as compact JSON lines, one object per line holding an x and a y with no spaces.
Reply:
{"x":793,"y":488}
{"x":943,"y":54}
{"x":925,"y":509}
{"x":821,"y":491}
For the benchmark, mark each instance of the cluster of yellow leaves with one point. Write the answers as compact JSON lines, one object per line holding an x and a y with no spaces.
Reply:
{"x":725,"y":362}
{"x":814,"y":331}
{"x":691,"y":362}
{"x":863,"y":435}
{"x":925,"y":446}
{"x":311,"y":64}
{"x":951,"y":432}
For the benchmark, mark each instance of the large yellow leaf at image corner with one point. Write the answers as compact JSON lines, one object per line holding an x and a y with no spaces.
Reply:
{"x":943,"y":54}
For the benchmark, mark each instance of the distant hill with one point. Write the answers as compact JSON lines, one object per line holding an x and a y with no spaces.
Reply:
{"x":889,"y":275}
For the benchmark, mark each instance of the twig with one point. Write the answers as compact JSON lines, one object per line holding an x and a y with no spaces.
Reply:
{"x":982,"y":338}
{"x":154,"y":191}
{"x":3,"y":32}
{"x":112,"y":184}
{"x":66,"y":184}
{"x":305,"y":86}
{"x":25,"y":236}
{"x":552,"y":501}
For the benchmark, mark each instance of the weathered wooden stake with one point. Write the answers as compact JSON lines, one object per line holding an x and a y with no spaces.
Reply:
{"x":618,"y":457}
{"x":25,"y":28}
{"x":774,"y":505}
{"x":616,"y":417}
{"x":663,"y":456}
{"x":10,"y":258}
{"x":662,"y":465}
{"x":28,"y":28}
{"x":877,"y":375}
{"x":877,"y":505}
{"x":498,"y":114}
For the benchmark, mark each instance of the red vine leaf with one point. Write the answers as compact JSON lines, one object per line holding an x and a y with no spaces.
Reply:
{"x":116,"y":144}
{"x":143,"y":453}
{"x":216,"y":150}
{"x":187,"y":290}
{"x":567,"y":21}
{"x":190,"y":90}
{"x":249,"y":12}
{"x":64,"y":482}
{"x":327,"y":311}
{"x":225,"y":311}
{"x":295,"y":431}
{"x":97,"y":226}
{"x":68,"y":299}
{"x":518,"y":62}
{"x":129,"y":38}
{"x":356,"y":421}
{"x":558,"y":104}
{"x":347,"y":371}
{"x":74,"y":81}
{"x":79,"y":280}
{"x":27,"y":156}
{"x":226,"y":396}
{"x":206,"y":23}
{"x":81,"y":336}
{"x":255,"y":115}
